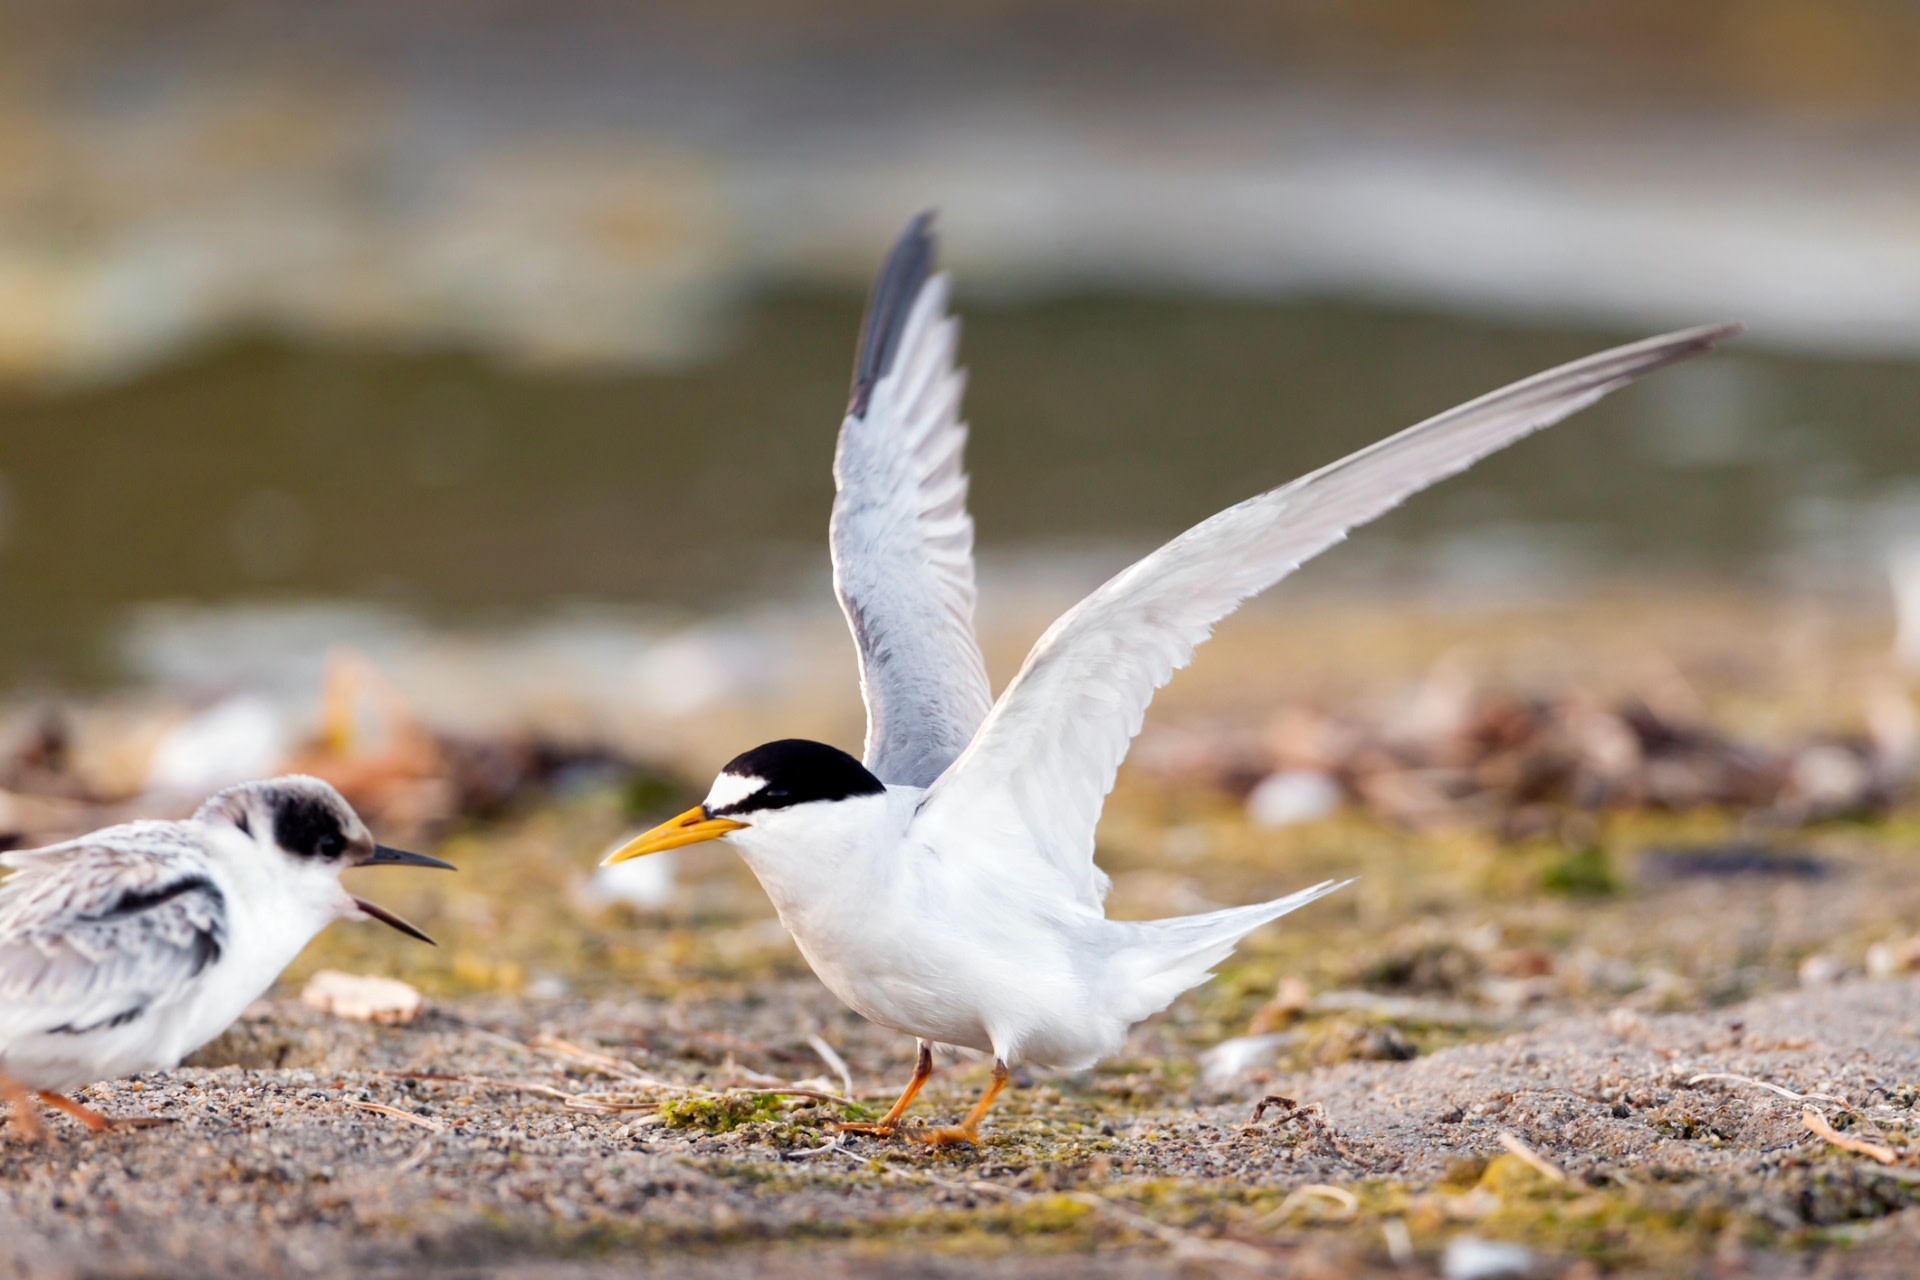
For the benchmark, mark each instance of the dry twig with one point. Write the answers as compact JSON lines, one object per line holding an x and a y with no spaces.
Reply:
{"x":627,"y":1073}
{"x":1817,"y":1123}
{"x":597,"y":1105}
{"x":482,"y":1082}
{"x":418,"y":1158}
{"x":1303,"y":1195}
{"x":619,"y":1068}
{"x":423,"y":1121}
{"x":1786,"y":1093}
{"x":835,"y":1063}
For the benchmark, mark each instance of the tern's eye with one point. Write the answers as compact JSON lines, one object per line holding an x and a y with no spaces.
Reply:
{"x":775,"y":793}
{"x":328,"y":846}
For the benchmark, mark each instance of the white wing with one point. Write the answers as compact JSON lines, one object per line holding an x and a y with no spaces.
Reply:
{"x":93,"y":931}
{"x":902,"y":539}
{"x":1033,"y":782}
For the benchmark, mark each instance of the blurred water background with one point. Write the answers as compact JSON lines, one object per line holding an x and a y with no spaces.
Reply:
{"x":529,"y":326}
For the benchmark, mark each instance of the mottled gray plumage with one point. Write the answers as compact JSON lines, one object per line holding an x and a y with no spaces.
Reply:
{"x":902,"y":539}
{"x":98,"y":928}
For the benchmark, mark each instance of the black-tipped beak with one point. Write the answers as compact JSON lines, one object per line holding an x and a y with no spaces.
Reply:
{"x":691,"y":827}
{"x":385,"y":856}
{"x":387,"y":917}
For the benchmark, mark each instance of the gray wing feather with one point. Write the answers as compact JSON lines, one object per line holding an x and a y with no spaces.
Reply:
{"x":902,"y":539}
{"x":1036,"y":776}
{"x":94,"y":928}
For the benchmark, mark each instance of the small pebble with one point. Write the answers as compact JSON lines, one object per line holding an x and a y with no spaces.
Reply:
{"x":1471,"y":1258}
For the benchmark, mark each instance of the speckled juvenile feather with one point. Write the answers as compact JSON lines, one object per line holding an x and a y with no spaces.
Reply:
{"x":98,"y":927}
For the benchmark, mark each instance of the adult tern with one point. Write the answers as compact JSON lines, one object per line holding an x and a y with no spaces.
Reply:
{"x":944,"y":885}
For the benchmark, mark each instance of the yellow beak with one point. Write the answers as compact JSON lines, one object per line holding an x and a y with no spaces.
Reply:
{"x":691,"y":827}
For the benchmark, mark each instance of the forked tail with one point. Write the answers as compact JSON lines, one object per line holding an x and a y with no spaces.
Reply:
{"x":1166,"y":957}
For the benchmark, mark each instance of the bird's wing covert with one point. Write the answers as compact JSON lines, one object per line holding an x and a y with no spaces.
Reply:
{"x":902,"y":539}
{"x":92,"y":931}
{"x":1034,"y":779}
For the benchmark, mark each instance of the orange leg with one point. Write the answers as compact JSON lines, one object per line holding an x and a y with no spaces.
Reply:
{"x":87,"y":1116}
{"x":23,"y":1118}
{"x":968,"y":1130}
{"x":96,"y":1122}
{"x":887,"y":1124}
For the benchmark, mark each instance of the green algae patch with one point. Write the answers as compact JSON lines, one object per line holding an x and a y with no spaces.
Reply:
{"x":1059,"y":1222}
{"x":1581,"y":873}
{"x":1042,"y":1215}
{"x":721,"y":1113}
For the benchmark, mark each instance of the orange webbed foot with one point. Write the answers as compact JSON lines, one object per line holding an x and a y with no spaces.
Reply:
{"x":949,"y":1135}
{"x":880,"y":1130}
{"x":25,"y":1122}
{"x":968,"y":1130}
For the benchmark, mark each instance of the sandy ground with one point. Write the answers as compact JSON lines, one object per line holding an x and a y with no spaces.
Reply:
{"x":277,"y":1170}
{"x":1498,"y":1033}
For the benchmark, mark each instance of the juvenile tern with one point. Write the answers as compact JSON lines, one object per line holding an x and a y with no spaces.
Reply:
{"x":127,"y":949}
{"x":945,"y":887}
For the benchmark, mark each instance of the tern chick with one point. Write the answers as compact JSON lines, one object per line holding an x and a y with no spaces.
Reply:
{"x":127,"y":949}
{"x":945,"y":887}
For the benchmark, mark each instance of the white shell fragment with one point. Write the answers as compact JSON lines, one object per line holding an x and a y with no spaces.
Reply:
{"x":1227,"y":1061}
{"x":1471,"y":1258}
{"x":1292,"y":796}
{"x":346,"y":995}
{"x":647,"y":883}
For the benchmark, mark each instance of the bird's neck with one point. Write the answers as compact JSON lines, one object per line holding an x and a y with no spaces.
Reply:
{"x":811,"y":861}
{"x":269,"y":898}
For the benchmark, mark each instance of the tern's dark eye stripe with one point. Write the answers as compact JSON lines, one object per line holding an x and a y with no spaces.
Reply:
{"x":307,"y":826}
{"x":134,"y":901}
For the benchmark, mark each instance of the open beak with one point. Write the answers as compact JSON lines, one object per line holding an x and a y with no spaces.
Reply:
{"x":385,"y":856}
{"x":691,"y":827}
{"x":387,"y":917}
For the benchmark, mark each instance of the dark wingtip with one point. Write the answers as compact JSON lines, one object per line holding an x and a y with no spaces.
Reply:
{"x":1672,"y":348}
{"x":905,"y":273}
{"x":1709,"y":335}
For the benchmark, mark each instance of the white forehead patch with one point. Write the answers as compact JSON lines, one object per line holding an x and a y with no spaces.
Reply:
{"x":731,"y":788}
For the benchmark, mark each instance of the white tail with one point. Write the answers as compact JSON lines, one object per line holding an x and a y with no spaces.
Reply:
{"x":1167,"y":957}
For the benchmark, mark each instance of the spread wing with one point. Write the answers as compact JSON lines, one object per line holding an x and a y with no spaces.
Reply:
{"x":94,"y":931}
{"x":902,"y":539}
{"x":1033,"y":782}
